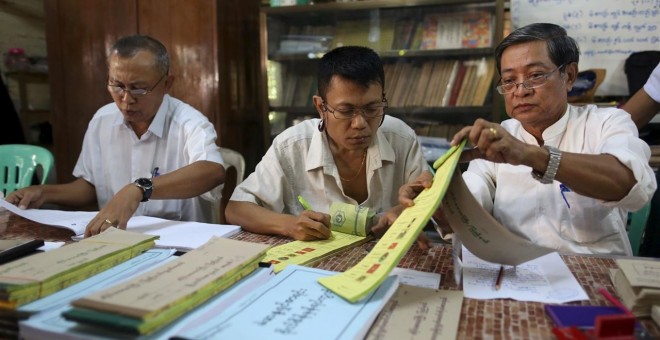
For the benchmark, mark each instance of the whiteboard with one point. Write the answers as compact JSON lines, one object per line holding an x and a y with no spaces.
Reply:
{"x":607,"y":31}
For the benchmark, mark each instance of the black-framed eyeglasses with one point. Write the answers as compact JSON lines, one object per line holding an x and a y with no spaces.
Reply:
{"x":533,"y":82}
{"x":349,"y":112}
{"x":121,"y":90}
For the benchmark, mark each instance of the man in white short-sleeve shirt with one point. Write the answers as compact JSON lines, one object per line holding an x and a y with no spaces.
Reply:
{"x":146,"y":154}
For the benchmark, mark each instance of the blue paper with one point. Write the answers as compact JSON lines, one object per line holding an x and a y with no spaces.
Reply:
{"x":295,"y":305}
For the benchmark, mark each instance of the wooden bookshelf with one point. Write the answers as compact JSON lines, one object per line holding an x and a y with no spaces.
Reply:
{"x":438,"y":55}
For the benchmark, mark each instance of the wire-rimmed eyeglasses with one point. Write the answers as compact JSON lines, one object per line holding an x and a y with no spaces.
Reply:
{"x":121,"y":90}
{"x":349,"y":112}
{"x":533,"y":82}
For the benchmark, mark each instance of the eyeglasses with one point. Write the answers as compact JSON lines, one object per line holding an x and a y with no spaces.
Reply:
{"x":537,"y":80}
{"x":349,"y":112}
{"x":121,"y":90}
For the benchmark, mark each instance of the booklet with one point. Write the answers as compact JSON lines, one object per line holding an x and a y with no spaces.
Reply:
{"x":293,"y":305}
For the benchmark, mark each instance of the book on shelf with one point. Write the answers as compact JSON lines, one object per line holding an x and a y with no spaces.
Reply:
{"x":637,"y":283}
{"x":404,"y":32}
{"x":439,"y":83}
{"x":438,"y":87}
{"x":456,"y":30}
{"x":449,"y":85}
{"x":460,"y":83}
{"x":422,"y":86}
{"x":486,"y":71}
{"x":477,"y":29}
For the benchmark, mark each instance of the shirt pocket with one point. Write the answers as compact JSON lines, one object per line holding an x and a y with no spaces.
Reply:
{"x":587,"y":221}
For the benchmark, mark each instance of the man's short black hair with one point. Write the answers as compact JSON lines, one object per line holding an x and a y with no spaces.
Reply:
{"x":356,"y":63}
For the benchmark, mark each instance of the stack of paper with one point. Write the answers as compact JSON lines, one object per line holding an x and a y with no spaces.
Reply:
{"x":51,"y":325}
{"x":638,"y":284}
{"x":39,"y":275}
{"x":48,"y":309}
{"x":182,"y":235}
{"x":157,"y":297}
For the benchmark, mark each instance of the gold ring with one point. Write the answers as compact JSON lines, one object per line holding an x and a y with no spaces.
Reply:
{"x":109,"y":222}
{"x":494,"y":132}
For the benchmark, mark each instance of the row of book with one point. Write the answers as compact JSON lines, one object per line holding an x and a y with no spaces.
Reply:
{"x":439,"y":83}
{"x":219,"y":290}
{"x":429,"y":31}
{"x":432,"y":83}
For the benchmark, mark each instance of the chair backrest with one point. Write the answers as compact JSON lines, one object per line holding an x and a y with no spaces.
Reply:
{"x":636,"y":226}
{"x":18,"y":163}
{"x":638,"y":67}
{"x":235,"y":159}
{"x":235,"y":163}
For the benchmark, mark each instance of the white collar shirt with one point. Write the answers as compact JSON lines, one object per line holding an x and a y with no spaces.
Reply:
{"x":540,"y":212}
{"x":112,"y":156}
{"x":652,"y":86}
{"x":300,"y":162}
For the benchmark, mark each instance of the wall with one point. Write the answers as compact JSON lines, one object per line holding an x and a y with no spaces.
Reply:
{"x":23,"y":24}
{"x":608,"y":31}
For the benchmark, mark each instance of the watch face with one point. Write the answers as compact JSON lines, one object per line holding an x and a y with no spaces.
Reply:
{"x":144,"y":182}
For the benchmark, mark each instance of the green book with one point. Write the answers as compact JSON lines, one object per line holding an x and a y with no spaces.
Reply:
{"x":156,"y":298}
{"x":40,"y":275}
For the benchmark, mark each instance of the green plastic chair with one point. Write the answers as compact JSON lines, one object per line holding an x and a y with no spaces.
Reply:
{"x":18,"y":162}
{"x":636,"y":226}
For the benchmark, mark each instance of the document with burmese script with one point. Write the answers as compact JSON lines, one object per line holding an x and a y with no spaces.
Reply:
{"x":419,"y":313}
{"x":293,"y":305}
{"x":480,"y":232}
{"x":546,"y":279}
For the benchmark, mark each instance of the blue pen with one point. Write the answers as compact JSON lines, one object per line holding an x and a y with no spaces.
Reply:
{"x":155,"y":173}
{"x":563,"y":189}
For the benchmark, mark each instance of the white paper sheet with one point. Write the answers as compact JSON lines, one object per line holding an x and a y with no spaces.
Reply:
{"x":545,"y":279}
{"x":182,"y":235}
{"x":417,"y":278}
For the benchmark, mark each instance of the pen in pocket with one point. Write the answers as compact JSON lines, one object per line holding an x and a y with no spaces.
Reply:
{"x":564,"y":189}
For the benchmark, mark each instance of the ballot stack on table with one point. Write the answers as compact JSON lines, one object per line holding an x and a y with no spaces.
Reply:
{"x":637,"y":283}
{"x":33,"y":277}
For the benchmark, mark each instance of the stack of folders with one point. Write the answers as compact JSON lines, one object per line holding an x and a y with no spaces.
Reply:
{"x":39,"y":275}
{"x":154,"y":299}
{"x":638,"y":284}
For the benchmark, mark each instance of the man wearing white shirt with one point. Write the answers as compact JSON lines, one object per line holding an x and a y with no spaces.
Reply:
{"x":561,"y":176}
{"x":145,"y":154}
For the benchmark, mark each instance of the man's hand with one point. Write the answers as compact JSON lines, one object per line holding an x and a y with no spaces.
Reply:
{"x":117,"y":212}
{"x":409,"y":191}
{"x":492,"y":143}
{"x":310,"y":226}
{"x":27,"y":198}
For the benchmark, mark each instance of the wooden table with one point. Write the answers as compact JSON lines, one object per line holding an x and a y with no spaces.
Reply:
{"x":480,"y":319}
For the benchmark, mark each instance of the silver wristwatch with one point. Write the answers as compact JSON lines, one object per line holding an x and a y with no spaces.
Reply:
{"x":553,"y":166}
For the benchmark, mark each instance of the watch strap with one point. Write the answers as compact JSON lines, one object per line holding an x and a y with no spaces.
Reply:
{"x":147,"y":188}
{"x":553,"y":165}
